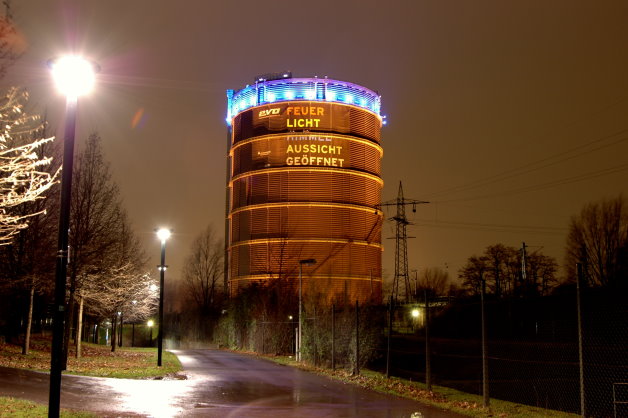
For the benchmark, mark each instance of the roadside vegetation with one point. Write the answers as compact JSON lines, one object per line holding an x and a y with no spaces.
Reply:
{"x":440,"y":397}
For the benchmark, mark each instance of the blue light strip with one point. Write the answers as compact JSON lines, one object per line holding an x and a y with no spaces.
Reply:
{"x":315,"y":89}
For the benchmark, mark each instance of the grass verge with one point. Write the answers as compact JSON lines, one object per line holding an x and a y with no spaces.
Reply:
{"x":96,"y":360}
{"x":441,"y":397}
{"x":11,"y":407}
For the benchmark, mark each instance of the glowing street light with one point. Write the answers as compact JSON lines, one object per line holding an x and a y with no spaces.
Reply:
{"x":150,"y":324}
{"x":163,"y":234}
{"x":74,"y":76}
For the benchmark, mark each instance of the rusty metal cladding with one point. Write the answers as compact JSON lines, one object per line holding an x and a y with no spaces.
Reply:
{"x":305,"y":183}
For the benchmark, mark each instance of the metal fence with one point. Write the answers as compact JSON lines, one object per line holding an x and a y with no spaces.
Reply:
{"x":537,"y":352}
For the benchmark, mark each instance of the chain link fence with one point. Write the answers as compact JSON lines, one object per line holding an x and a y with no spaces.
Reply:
{"x":537,"y":352}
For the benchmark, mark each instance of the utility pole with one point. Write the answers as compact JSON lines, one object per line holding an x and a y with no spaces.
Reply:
{"x":401,"y":245}
{"x":416,"y":284}
{"x":524,"y":289}
{"x":523,"y":262}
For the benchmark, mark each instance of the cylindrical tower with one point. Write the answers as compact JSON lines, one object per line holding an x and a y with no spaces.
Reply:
{"x":304,"y":182}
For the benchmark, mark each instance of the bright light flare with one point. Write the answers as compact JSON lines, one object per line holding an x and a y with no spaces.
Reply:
{"x":163,"y":234}
{"x":73,"y":75}
{"x":150,"y":323}
{"x":415,"y":313}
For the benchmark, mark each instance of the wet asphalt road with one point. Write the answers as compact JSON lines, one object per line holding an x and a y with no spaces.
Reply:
{"x":218,"y":384}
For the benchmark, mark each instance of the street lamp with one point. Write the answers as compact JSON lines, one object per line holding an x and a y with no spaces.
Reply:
{"x":150,"y":324}
{"x":74,"y":77}
{"x":163,"y":234}
{"x":307,"y":262}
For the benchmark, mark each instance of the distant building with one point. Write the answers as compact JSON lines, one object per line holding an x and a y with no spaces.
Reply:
{"x":304,"y":182}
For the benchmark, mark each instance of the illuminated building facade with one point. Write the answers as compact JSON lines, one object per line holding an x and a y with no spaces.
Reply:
{"x":304,"y":182}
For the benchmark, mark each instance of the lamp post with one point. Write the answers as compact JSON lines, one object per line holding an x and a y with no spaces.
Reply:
{"x":307,"y":262}
{"x":74,"y":76}
{"x":163,"y":234}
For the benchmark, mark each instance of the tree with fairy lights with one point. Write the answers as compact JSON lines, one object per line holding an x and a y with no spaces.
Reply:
{"x":23,"y":168}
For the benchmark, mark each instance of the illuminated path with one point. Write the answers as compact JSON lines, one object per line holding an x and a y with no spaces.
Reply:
{"x":219,"y":384}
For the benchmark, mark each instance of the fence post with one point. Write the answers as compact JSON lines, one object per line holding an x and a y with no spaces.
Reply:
{"x":263,"y":339}
{"x":333,"y":336}
{"x":580,"y":352}
{"x":485,"y":396}
{"x":357,"y":338}
{"x":428,"y":353}
{"x":390,"y":321}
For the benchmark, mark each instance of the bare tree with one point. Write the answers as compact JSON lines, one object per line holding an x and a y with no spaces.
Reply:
{"x":598,"y":239}
{"x":118,"y":286}
{"x":497,"y":257}
{"x":27,"y":259}
{"x":202,"y":273}
{"x":541,"y":273}
{"x":435,"y":280}
{"x":25,"y":255}
{"x":26,"y":176}
{"x":96,"y":222}
{"x":473,"y":273}
{"x":23,"y":174}
{"x":119,"y":291}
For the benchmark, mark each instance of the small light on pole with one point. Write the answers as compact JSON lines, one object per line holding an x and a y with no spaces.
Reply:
{"x":163,"y":234}
{"x":307,"y":262}
{"x":150,"y":324}
{"x":74,"y":77}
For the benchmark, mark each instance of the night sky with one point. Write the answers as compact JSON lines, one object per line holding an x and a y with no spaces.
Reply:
{"x":507,"y":116}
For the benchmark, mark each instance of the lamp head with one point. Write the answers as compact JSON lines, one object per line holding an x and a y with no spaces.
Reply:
{"x":163,"y":234}
{"x":73,"y":75}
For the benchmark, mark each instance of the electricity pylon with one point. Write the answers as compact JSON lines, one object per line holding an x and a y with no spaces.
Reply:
{"x":401,"y":244}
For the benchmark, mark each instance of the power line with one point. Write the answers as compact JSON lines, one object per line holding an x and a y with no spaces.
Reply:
{"x":547,"y":185}
{"x":492,"y":227}
{"x":537,"y":165}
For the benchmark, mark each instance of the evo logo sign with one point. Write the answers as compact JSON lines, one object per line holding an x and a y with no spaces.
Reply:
{"x":269,"y":112}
